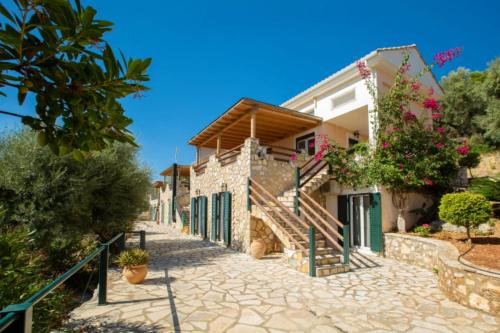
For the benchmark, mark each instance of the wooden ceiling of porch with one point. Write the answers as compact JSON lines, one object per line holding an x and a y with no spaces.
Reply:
{"x":273,"y":123}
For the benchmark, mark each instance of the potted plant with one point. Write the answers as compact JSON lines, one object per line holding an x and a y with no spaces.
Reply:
{"x":135,"y":265}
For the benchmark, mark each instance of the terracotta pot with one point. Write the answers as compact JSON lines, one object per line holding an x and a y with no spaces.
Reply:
{"x":258,"y":248}
{"x":135,"y":274}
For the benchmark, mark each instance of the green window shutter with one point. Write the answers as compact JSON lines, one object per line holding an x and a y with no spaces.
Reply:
{"x":375,"y":223}
{"x":213,"y":225}
{"x":193,"y":215}
{"x":226,"y":217}
{"x":203,"y":217}
{"x":343,"y":211}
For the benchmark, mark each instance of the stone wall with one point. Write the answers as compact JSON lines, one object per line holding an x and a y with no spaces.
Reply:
{"x":489,"y":165}
{"x":273,"y":175}
{"x":466,"y":284}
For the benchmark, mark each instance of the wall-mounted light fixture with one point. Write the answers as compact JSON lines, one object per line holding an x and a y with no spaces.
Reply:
{"x":197,"y":193}
{"x":223,"y":187}
{"x":356,"y":133}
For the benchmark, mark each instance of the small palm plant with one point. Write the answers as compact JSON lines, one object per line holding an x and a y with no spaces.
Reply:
{"x":134,"y":263}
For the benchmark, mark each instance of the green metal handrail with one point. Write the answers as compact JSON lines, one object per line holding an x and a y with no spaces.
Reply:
{"x":18,"y":318}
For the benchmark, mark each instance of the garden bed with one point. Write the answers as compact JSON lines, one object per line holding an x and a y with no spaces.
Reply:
{"x":485,"y":249}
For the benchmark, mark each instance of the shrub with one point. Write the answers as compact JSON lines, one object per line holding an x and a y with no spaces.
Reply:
{"x":465,"y":209}
{"x":423,"y":230}
{"x":19,"y":279}
{"x":134,"y":257}
{"x":489,"y":187}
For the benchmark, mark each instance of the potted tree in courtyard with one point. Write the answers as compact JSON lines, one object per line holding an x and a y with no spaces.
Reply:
{"x":135,"y":265}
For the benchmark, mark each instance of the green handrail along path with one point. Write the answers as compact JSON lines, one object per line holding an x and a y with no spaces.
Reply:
{"x":18,"y":318}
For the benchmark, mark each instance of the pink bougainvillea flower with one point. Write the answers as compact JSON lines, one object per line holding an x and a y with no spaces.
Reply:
{"x":318,"y":156}
{"x":293,"y":157}
{"x":437,"y":116}
{"x":415,"y":86}
{"x":363,"y":70}
{"x":426,"y":225}
{"x":440,"y":130}
{"x":463,"y":150}
{"x":443,"y":57}
{"x":427,"y":181}
{"x":386,"y":145}
{"x":312,"y":144}
{"x":431,"y":103}
{"x":439,"y":145}
{"x":409,"y":116}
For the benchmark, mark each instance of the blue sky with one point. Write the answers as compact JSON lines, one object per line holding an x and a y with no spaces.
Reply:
{"x":208,"y":54}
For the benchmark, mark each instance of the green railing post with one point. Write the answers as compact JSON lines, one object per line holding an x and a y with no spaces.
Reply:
{"x":249,"y":202}
{"x":23,"y":323}
{"x":142,"y":241}
{"x":121,"y":242}
{"x":296,"y":203}
{"x":312,"y":251}
{"x":345,"y":235}
{"x":103,"y":274}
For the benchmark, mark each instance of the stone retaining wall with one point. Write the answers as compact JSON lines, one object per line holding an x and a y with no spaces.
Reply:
{"x":468,"y":285}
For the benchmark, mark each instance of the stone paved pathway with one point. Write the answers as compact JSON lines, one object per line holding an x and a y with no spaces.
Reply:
{"x":195,"y":286}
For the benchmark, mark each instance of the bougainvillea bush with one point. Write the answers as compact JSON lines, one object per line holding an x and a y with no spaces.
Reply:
{"x":413,"y":151}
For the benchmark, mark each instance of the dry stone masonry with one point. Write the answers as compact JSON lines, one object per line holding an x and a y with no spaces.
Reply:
{"x":466,"y":284}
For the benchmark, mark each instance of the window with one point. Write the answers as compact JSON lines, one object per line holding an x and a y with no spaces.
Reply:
{"x":306,"y":143}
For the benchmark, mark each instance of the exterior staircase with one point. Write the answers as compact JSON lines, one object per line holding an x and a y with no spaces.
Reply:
{"x":295,"y":231}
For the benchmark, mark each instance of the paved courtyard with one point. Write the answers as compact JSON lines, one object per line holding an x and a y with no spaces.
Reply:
{"x":195,"y":286}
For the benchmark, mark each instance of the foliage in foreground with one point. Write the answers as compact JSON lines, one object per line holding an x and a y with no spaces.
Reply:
{"x":55,"y":51}
{"x":465,"y":209}
{"x":20,"y":277}
{"x":55,"y":210}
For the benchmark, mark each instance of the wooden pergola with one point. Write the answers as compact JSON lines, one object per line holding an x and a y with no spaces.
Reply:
{"x":250,"y":118}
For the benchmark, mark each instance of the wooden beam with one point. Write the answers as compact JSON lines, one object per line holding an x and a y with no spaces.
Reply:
{"x":253,"y":116}
{"x":234,"y":123}
{"x":218,"y":145}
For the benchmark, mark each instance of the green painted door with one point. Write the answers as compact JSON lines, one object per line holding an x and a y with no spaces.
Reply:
{"x":375,"y":223}
{"x":203,"y":216}
{"x":194,"y":209}
{"x":226,"y":217}
{"x":215,"y":217}
{"x":343,"y":211}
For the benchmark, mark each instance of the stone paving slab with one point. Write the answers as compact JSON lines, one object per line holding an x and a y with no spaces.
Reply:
{"x":196,"y":286}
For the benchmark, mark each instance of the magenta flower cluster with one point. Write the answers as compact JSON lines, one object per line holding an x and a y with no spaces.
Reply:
{"x":443,"y":57}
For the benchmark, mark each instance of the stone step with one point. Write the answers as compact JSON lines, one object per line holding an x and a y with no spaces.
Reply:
{"x":326,"y":270}
{"x":327,"y":259}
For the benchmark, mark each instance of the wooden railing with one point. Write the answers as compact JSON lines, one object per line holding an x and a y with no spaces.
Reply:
{"x":309,"y":169}
{"x":230,"y":156}
{"x":268,"y":204}
{"x":325,"y":223}
{"x":200,"y":167}
{"x":280,"y":153}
